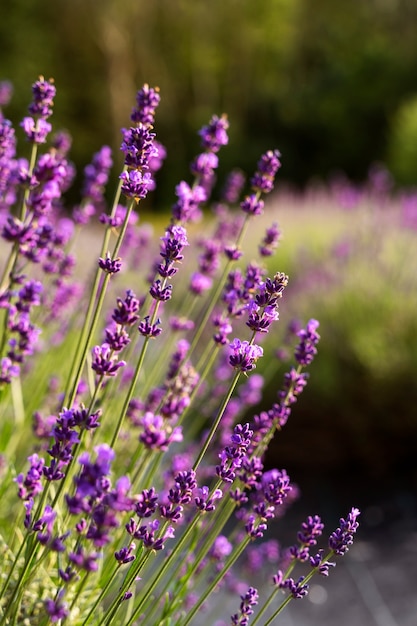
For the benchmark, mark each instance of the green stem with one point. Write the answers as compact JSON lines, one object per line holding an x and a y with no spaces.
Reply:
{"x":93,"y":309}
{"x":216,"y":421}
{"x":230,"y":562}
{"x":135,"y":378}
{"x":290,"y":597}
{"x":215,"y":296}
{"x":101,"y":595}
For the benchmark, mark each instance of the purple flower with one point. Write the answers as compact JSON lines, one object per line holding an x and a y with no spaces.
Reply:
{"x":220,"y":549}
{"x":43,"y":92}
{"x":296,"y":588}
{"x":157,"y":434}
{"x":173,"y":243}
{"x":125,"y":313}
{"x":124,"y":555}
{"x":322,"y":565}
{"x":146,"y":503}
{"x":8,"y":370}
{"x":244,"y":355}
{"x":187,"y":207}
{"x":6,"y":92}
{"x":62,"y":142}
{"x":147,"y":100}
{"x":233,"y":252}
{"x":31,"y":484}
{"x":205,"y":503}
{"x":7,"y":140}
{"x":105,"y":363}
{"x":117,"y":338}
{"x":182,"y":493}
{"x":294,"y":383}
{"x":135,"y":184}
{"x":137,"y":146}
{"x":342,"y":538}
{"x":255,"y":527}
{"x":209,"y":259}
{"x":249,"y":600}
{"x":204,"y":164}
{"x":223,"y":329}
{"x":214,"y":135}
{"x":307,"y":537}
{"x":233,"y":186}
{"x":158,"y":292}
{"x":29,"y":295}
{"x":252,"y":205}
{"x":268,"y":165}
{"x":306,"y":349}
{"x":199,"y":283}
{"x":275,"y":486}
{"x":232,"y":456}
{"x":96,"y":175}
{"x":57,"y":609}
{"x":83,"y":560}
{"x":36,"y":131}
{"x":109,"y":265}
{"x":150,"y":330}
{"x":260,"y":320}
{"x":270,"y":241}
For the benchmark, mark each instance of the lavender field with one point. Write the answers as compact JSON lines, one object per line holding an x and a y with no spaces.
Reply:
{"x":204,"y":403}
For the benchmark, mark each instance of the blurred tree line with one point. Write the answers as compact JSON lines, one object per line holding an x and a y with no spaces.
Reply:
{"x":332,"y":85}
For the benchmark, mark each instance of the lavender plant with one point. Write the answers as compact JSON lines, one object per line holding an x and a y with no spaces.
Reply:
{"x":133,"y":478}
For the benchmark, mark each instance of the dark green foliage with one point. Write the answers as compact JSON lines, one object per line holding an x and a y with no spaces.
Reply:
{"x":321,"y":81}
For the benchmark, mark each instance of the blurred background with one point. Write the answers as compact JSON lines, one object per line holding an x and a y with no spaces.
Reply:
{"x":334,"y":87}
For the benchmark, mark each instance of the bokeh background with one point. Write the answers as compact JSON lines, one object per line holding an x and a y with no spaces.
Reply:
{"x":334,"y":86}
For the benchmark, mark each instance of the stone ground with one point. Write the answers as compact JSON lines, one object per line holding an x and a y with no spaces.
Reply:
{"x":372,"y":585}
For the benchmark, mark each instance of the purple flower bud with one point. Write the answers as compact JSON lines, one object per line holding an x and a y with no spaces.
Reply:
{"x":37,"y":131}
{"x":270,"y":241}
{"x":342,"y":538}
{"x":43,"y":92}
{"x":109,"y":265}
{"x":56,"y":609}
{"x":199,"y":283}
{"x":125,"y":313}
{"x":150,"y":330}
{"x":249,"y":600}
{"x":124,"y":555}
{"x":252,"y":205}
{"x":268,"y":165}
{"x":233,"y":186}
{"x":7,"y":140}
{"x":306,"y":349}
{"x":204,"y":164}
{"x":214,"y":135}
{"x":135,"y":184}
{"x":6,"y":92}
{"x":296,"y":588}
{"x":147,"y":99}
{"x":104,"y":362}
{"x":187,"y":207}
{"x":8,"y":370}
{"x":244,"y":355}
{"x":146,"y":503}
{"x":137,"y":146}
{"x":160,"y":293}
{"x":233,"y":252}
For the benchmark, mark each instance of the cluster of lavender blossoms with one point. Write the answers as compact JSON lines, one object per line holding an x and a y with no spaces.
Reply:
{"x":132,"y":464}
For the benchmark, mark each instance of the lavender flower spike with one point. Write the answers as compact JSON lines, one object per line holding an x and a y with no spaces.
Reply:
{"x":249,"y":600}
{"x":342,"y":538}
